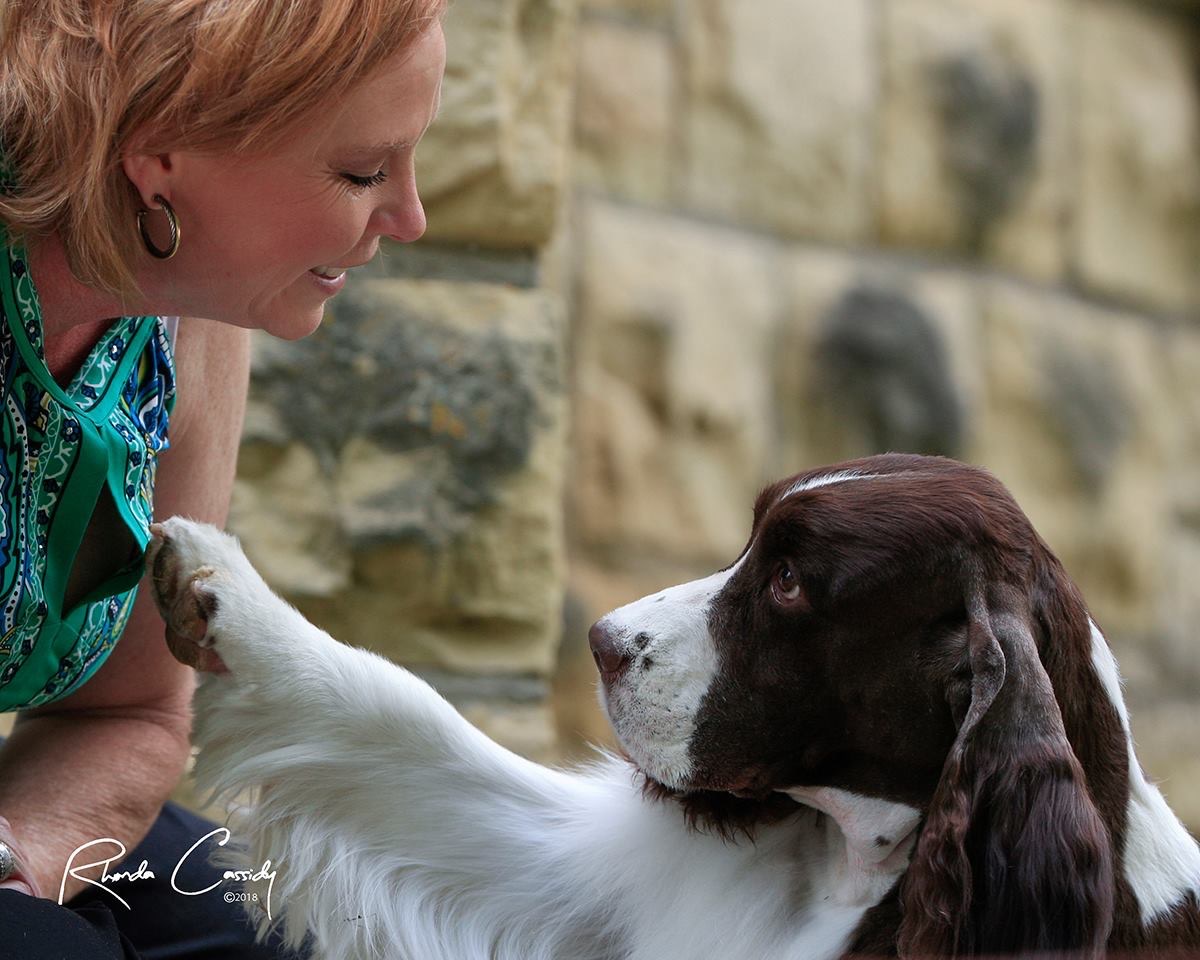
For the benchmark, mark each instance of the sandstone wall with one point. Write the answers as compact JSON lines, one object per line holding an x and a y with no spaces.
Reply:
{"x":400,"y":478}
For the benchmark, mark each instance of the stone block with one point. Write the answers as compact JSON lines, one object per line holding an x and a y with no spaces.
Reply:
{"x":780,"y":101}
{"x":403,"y":473}
{"x":1078,"y":424}
{"x":524,"y":728}
{"x":1177,"y":607}
{"x":874,"y":357}
{"x":675,"y":334}
{"x":492,"y":169}
{"x":646,"y":11}
{"x":1182,"y":380}
{"x":975,"y":130}
{"x":1179,"y":599}
{"x":625,"y":111}
{"x":1164,"y":730}
{"x":1137,"y":232}
{"x":283,"y":511}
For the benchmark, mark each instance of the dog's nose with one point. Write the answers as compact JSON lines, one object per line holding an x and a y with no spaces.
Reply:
{"x":611,"y":661}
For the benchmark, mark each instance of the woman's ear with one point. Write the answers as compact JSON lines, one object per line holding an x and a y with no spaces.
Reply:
{"x":1013,"y":856}
{"x":149,"y":174}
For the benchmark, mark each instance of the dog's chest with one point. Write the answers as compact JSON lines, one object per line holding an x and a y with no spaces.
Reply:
{"x":792,"y":894}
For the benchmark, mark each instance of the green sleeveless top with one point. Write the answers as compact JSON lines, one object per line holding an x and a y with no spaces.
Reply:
{"x":60,"y":450}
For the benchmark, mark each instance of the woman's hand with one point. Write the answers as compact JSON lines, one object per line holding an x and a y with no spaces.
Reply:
{"x":16,"y":880}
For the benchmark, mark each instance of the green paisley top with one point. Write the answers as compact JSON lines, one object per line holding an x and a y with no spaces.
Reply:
{"x":59,"y":449}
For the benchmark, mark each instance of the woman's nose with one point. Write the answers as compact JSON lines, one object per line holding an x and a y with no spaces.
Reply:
{"x":402,"y":218}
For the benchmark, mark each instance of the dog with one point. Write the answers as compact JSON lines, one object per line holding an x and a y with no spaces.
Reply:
{"x":889,"y":727}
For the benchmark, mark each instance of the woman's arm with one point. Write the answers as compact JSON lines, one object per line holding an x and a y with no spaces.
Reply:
{"x":100,"y":762}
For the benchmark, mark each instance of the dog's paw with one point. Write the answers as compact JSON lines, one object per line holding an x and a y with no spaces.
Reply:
{"x":195,"y":570}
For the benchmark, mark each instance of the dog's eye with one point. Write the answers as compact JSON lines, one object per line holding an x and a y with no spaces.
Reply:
{"x":785,"y":588}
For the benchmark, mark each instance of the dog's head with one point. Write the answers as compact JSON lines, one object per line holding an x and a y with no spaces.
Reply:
{"x":882,"y":633}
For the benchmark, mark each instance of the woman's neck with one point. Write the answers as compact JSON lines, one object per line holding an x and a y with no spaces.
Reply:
{"x":66,"y":302}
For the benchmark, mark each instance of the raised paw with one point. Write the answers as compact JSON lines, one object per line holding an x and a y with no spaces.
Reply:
{"x":189,"y":563}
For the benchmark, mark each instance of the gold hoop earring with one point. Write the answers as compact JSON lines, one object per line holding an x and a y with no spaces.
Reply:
{"x":172,"y":247}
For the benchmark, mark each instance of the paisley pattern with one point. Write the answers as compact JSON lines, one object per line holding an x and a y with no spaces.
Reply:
{"x":58,"y":446}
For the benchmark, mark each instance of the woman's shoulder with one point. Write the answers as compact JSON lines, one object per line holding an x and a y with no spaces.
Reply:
{"x":212,"y":366}
{"x":200,"y":343}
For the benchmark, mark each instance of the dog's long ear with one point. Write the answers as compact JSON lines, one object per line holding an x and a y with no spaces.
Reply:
{"x":1013,"y":856}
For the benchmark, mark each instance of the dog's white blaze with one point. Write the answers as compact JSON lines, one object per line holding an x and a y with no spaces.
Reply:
{"x":1162,"y":861}
{"x":828,"y":480}
{"x":653,"y":710}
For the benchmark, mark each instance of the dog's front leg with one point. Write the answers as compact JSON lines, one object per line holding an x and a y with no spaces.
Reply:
{"x":395,"y":827}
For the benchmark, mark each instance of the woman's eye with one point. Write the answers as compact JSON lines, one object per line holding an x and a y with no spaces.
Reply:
{"x":373,"y":180}
{"x":785,"y":588}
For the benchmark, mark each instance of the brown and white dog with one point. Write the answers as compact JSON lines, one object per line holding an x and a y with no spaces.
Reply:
{"x":890,"y":726}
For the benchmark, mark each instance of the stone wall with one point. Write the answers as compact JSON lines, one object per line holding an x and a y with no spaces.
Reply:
{"x":804,"y":231}
{"x":400,"y":478}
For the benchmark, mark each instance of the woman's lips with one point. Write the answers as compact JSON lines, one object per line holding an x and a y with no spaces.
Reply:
{"x":328,"y":285}
{"x":329,"y":273}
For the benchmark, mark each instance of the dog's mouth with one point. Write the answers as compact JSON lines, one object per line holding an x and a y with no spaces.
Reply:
{"x":751,"y":784}
{"x":652,"y":767}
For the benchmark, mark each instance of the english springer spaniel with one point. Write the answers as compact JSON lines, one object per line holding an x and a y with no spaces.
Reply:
{"x":890,"y":726}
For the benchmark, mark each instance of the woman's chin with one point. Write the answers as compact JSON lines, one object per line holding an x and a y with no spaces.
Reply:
{"x":295,"y":330}
{"x":292,"y":326}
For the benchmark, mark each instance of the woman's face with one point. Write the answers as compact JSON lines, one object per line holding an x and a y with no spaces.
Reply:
{"x":266,"y":240}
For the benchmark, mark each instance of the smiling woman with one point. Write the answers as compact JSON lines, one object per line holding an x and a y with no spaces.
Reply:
{"x":257,"y":157}
{"x":220,"y":159}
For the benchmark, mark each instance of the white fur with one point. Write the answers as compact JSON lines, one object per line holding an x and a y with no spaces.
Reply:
{"x":1162,"y":861}
{"x":877,"y":839}
{"x":828,"y":480}
{"x":400,"y":831}
{"x":653,"y":706}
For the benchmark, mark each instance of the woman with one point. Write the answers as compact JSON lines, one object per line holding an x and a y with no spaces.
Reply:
{"x":219,"y":159}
